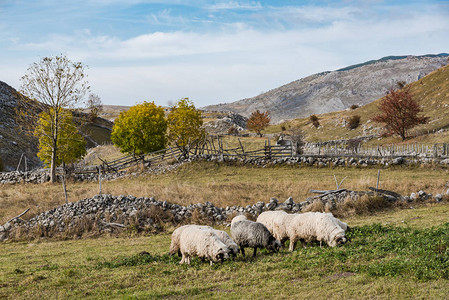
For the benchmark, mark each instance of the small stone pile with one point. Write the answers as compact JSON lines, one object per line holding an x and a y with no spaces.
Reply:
{"x":35,"y":176}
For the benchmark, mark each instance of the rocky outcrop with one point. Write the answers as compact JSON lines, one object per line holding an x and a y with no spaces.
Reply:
{"x":336,"y":90}
{"x":224,"y":122}
{"x":13,"y":142}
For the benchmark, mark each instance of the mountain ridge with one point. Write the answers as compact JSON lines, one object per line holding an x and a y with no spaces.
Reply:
{"x":336,"y":90}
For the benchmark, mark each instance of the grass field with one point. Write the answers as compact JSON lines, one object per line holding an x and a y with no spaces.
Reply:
{"x":399,"y":253}
{"x":408,"y":260}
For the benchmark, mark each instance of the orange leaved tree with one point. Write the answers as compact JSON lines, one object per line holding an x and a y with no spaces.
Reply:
{"x":258,"y":121}
{"x":399,"y":112}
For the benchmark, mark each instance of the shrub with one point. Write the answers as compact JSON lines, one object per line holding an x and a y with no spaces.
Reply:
{"x":315,"y":121}
{"x":354,"y":106}
{"x":354,"y":122}
{"x":233,"y":130}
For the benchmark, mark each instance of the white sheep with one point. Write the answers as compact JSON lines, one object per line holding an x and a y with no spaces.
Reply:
{"x":238,"y":219}
{"x":268,"y":218}
{"x":315,"y":226}
{"x":194,"y":241}
{"x":276,"y":223}
{"x":340,"y":223}
{"x":222,"y":235}
{"x":247,"y":233}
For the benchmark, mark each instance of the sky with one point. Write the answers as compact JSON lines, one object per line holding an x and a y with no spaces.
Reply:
{"x":211,"y":51}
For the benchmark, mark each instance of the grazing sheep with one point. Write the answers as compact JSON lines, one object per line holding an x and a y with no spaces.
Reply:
{"x":315,"y":226}
{"x":174,"y":245}
{"x":268,"y":218}
{"x":222,"y":235}
{"x":238,"y":219}
{"x":194,"y":241}
{"x":276,"y":223}
{"x":252,"y":234}
{"x":342,"y":224}
{"x":228,"y":241}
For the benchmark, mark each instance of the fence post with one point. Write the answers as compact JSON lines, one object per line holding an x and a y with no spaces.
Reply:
{"x":99,"y":180}
{"x":241,"y":146}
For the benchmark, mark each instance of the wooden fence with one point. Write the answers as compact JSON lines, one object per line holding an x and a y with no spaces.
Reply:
{"x":405,"y":150}
{"x":214,"y":146}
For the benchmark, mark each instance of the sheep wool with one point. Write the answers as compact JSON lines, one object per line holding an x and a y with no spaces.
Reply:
{"x":194,"y":241}
{"x":277,"y":223}
{"x":253,"y":234}
{"x":315,"y":226}
{"x":222,"y":235}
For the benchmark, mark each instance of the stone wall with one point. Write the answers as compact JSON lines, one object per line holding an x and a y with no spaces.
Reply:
{"x":106,"y":213}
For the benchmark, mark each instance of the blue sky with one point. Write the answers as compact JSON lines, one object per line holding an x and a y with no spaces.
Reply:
{"x":211,"y":51}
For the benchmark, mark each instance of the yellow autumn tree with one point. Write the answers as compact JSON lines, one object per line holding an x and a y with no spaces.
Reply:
{"x":141,"y":129}
{"x":70,"y":144}
{"x":185,"y":125}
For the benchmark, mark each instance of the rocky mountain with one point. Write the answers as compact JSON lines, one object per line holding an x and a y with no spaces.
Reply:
{"x":337,"y":90}
{"x":14,"y":144}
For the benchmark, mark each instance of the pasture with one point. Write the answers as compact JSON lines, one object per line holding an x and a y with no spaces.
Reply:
{"x":400,"y":252}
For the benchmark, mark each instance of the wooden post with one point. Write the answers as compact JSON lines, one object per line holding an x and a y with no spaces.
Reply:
{"x":241,"y":146}
{"x":63,"y":182}
{"x":173,"y":154}
{"x":378,"y":177}
{"x":99,"y":180}
{"x":20,"y":161}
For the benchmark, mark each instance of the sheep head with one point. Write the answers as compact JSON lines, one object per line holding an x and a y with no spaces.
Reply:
{"x":222,"y":254}
{"x":274,"y":244}
{"x":339,"y":239}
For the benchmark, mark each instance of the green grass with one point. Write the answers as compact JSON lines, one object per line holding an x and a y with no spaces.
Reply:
{"x":380,"y":261}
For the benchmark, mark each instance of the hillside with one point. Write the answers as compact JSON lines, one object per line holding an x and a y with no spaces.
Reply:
{"x":337,"y":90}
{"x":14,"y":142}
{"x":431,"y":92}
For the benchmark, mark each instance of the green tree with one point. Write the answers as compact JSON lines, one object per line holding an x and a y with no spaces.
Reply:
{"x":258,"y":121}
{"x":141,"y":129}
{"x":185,"y":125}
{"x":70,"y":143}
{"x":50,"y":86}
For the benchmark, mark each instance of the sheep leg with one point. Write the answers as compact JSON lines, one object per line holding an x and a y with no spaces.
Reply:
{"x":243,"y":251}
{"x":255,"y":250}
{"x":292,"y":245}
{"x":183,"y":259}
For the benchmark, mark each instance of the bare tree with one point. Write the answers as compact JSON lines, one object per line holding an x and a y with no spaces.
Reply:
{"x":95,"y":106}
{"x":52,"y":85}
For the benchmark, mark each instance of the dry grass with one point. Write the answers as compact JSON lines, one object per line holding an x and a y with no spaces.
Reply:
{"x":223,"y":185}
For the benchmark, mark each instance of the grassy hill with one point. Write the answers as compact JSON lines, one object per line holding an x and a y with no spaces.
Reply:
{"x":431,"y":92}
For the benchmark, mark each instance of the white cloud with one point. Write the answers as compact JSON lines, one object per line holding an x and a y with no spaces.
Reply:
{"x":239,"y":60}
{"x":235,"y":5}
